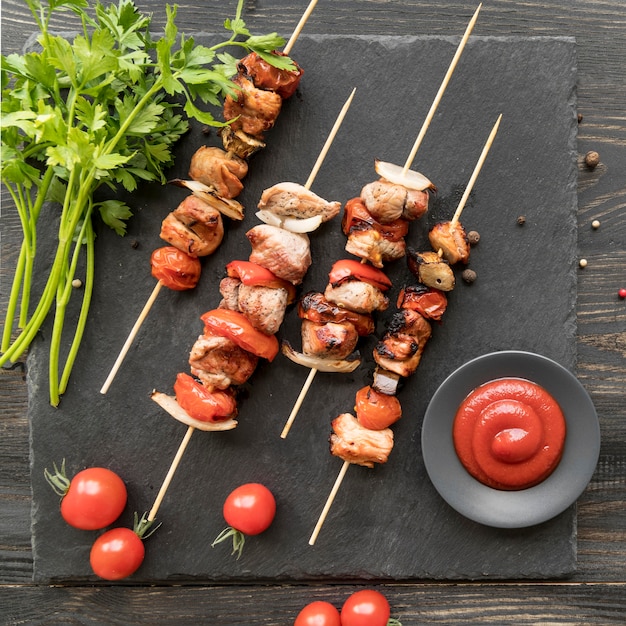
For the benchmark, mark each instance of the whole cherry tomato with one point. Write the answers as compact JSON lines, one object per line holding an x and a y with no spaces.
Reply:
{"x":202,"y":404}
{"x":117,"y":554}
{"x":376,"y":410}
{"x":236,"y":327}
{"x":248,"y":510}
{"x":365,"y":608}
{"x":92,"y":500}
{"x":348,"y":269}
{"x":175,"y":269}
{"x":318,"y":614}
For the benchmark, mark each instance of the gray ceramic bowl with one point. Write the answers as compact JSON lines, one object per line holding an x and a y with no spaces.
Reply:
{"x":526,"y":507}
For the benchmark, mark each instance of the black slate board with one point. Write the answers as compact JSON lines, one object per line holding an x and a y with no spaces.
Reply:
{"x":386,"y":523}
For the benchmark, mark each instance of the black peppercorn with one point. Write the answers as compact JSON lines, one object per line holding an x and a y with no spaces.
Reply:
{"x":473,"y":237}
{"x":469,"y":276}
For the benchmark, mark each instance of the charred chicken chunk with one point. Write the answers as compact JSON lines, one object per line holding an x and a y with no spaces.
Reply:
{"x":356,"y":444}
{"x":400,"y":350}
{"x":452,"y":240}
{"x":284,"y":253}
{"x":356,"y":295}
{"x":388,"y":201}
{"x":215,"y":168}
{"x":293,"y":200}
{"x":254,"y":110}
{"x":373,"y":247}
{"x":219,"y":362}
{"x":193,"y":227}
{"x":314,"y":306}
{"x":335,"y":340}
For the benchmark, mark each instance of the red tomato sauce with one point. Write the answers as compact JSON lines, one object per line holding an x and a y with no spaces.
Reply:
{"x":509,"y":433}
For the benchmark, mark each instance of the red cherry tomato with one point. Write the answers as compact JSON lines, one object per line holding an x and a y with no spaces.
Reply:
{"x":376,"y":410}
{"x":117,"y":554}
{"x":202,"y":404}
{"x":93,"y":499}
{"x":248,"y":510}
{"x":429,"y":303}
{"x":348,"y":269}
{"x":236,"y":327}
{"x":318,"y":614}
{"x":253,"y":275}
{"x":365,"y":608}
{"x":175,"y":269}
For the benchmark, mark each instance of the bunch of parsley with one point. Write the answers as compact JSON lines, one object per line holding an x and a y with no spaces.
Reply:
{"x":103,"y":108}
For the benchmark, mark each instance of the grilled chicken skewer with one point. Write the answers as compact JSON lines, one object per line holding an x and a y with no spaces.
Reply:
{"x":195,"y":227}
{"x":376,"y":222}
{"x":218,"y":377}
{"x":397,"y":356}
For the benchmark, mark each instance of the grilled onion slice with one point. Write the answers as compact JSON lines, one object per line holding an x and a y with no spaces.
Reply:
{"x":411,"y":179}
{"x":342,"y":366}
{"x":171,"y":406}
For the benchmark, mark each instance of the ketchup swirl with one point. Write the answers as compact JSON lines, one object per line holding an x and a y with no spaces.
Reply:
{"x":509,"y":433}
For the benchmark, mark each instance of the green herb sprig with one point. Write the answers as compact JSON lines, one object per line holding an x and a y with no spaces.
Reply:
{"x":104,"y":108}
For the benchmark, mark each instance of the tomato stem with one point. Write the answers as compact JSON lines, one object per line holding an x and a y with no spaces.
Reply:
{"x":239,"y":539}
{"x":59,"y":481}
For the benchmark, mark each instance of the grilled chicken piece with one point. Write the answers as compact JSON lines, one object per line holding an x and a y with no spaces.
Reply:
{"x":266,"y":76}
{"x":313,"y":306}
{"x":452,"y":240}
{"x":388,"y":201}
{"x":400,"y":350}
{"x":293,"y":200}
{"x":372,"y":246}
{"x":256,"y":110}
{"x":263,"y":306}
{"x":357,"y":296}
{"x":286,"y":254}
{"x":429,"y":268}
{"x":219,"y":362}
{"x":333,"y":340}
{"x":215,"y":168}
{"x":193,"y":227}
{"x":356,"y":444}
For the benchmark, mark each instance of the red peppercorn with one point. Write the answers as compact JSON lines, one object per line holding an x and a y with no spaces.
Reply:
{"x":622,"y":293}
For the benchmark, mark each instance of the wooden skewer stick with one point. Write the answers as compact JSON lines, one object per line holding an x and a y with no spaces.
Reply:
{"x":329,"y":501}
{"x":190,"y":429}
{"x":170,"y":474}
{"x":346,"y":464}
{"x":477,"y":168}
{"x":299,"y":27}
{"x":442,"y":88}
{"x":307,"y":185}
{"x":407,"y":165}
{"x":131,"y":337}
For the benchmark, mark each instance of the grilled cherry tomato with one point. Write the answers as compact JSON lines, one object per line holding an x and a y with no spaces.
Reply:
{"x":318,"y":614}
{"x":93,"y":499}
{"x":357,"y":217}
{"x":348,"y":269}
{"x":248,"y":510}
{"x":175,"y":269}
{"x":428,"y":302}
{"x":376,"y":410}
{"x":253,"y":274}
{"x":202,"y":404}
{"x":266,"y":76}
{"x":236,"y":327}
{"x":117,"y":554}
{"x":366,"y":608}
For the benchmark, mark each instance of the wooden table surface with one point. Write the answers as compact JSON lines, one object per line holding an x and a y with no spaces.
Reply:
{"x":596,"y":593}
